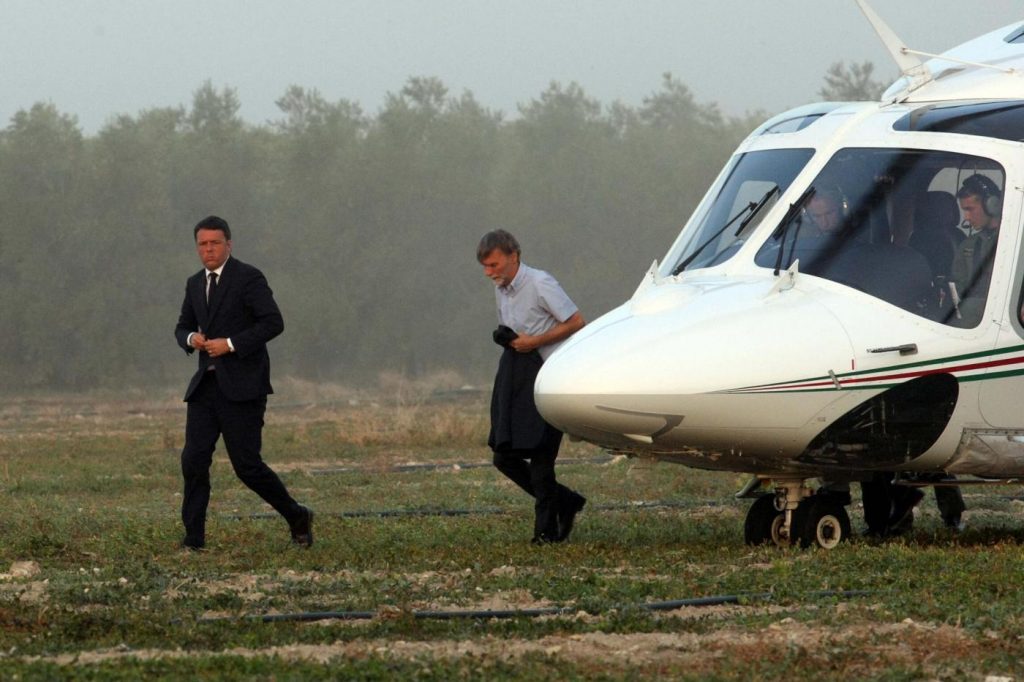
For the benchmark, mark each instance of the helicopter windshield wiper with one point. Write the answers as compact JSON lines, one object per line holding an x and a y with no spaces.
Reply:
{"x":755,"y":210}
{"x":783,"y":228}
{"x":752,"y":208}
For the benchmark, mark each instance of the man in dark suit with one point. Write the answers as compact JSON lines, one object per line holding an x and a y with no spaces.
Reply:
{"x":229,"y":315}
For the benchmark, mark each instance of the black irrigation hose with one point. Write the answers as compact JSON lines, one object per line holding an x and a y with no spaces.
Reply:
{"x":433,"y":466}
{"x":393,"y":513}
{"x":485,"y":614}
{"x":384,"y":513}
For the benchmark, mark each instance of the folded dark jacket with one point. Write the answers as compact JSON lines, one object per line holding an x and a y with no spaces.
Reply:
{"x":515,"y":422}
{"x":504,"y":335}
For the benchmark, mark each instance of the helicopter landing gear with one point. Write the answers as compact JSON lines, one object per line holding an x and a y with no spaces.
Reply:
{"x":792,"y":515}
{"x":764,"y":523}
{"x":821,"y":522}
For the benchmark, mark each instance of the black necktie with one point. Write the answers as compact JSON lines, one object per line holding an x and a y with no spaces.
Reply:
{"x":212,"y":288}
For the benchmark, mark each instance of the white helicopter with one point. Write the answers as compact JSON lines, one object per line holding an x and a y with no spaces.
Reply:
{"x":764,"y":343}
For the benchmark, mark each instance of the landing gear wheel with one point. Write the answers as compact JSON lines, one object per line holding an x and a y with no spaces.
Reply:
{"x":764,"y":522}
{"x":820,"y":522}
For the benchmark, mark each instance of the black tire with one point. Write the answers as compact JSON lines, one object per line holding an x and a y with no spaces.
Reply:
{"x":820,"y":522}
{"x":762,"y":523}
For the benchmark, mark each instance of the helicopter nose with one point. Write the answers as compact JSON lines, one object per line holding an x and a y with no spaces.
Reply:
{"x":562,"y":393}
{"x":691,"y":372}
{"x":591,"y":387}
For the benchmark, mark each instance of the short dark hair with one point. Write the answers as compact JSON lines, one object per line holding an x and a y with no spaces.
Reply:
{"x":497,"y":239}
{"x":980,"y":186}
{"x":212,"y":222}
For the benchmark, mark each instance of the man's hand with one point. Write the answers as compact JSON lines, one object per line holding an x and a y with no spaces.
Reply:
{"x":198,"y":341}
{"x":217,"y":347}
{"x":524,"y":343}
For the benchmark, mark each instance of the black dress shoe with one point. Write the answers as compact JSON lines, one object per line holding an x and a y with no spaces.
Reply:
{"x":543,"y":540}
{"x":302,"y":529}
{"x":567,"y":515}
{"x":193,"y":545}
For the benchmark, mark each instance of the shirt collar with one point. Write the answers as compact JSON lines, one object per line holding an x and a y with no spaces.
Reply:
{"x":218,"y":270}
{"x":516,"y":282}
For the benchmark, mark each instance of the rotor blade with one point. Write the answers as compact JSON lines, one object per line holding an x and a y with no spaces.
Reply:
{"x":909,"y":64}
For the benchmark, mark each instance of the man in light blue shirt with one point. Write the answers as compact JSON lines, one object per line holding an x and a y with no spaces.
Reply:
{"x":534,"y":317}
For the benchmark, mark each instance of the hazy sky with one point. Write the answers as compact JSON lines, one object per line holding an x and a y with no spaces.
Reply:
{"x":99,"y":58}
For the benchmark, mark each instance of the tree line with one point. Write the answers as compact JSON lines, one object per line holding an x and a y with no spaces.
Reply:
{"x":365,"y":225}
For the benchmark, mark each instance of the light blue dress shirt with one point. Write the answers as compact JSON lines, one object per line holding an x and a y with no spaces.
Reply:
{"x":532,"y":304}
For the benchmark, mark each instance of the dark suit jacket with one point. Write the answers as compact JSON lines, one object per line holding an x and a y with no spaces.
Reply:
{"x":242,"y":308}
{"x":515,"y":422}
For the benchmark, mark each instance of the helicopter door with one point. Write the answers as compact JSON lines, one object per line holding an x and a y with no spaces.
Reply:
{"x":1002,"y":388}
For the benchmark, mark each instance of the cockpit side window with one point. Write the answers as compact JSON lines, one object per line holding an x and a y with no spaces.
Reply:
{"x":917,"y":229}
{"x":750,"y":186}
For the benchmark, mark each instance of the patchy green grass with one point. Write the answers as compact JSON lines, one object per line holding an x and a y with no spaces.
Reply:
{"x":95,"y":587}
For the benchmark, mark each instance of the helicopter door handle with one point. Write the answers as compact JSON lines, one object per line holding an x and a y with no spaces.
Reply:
{"x":905,"y":349}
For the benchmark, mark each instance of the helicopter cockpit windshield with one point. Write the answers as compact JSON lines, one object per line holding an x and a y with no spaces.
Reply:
{"x":743,"y":196}
{"x":888,"y":223}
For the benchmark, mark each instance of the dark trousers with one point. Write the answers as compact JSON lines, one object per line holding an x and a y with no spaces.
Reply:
{"x":534,"y":471}
{"x":948,"y":499}
{"x":210,"y":415}
{"x":950,"y":502}
{"x":877,"y":495}
{"x":881,"y":496}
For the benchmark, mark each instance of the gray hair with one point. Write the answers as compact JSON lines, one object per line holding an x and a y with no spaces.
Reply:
{"x":497,"y":239}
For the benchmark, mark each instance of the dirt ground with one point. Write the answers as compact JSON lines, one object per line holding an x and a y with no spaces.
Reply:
{"x":908,"y":643}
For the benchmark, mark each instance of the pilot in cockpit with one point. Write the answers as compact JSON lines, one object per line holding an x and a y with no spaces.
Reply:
{"x":825,"y":244}
{"x":826,"y":211}
{"x":981,"y":203}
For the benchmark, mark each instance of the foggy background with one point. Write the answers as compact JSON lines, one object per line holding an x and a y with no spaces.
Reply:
{"x":359,"y":150}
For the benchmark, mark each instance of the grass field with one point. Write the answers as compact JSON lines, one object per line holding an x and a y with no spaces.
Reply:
{"x":94,"y":586}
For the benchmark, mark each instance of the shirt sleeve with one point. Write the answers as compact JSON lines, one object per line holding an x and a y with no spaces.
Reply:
{"x":554,"y":299}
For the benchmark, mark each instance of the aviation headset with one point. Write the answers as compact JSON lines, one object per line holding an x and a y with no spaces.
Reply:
{"x":985,"y":189}
{"x":837,"y":196}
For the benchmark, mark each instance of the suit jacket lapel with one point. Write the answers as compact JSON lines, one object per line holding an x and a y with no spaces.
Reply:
{"x":199,"y":301}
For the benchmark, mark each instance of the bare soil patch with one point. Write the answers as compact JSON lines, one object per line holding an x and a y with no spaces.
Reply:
{"x":879,"y":647}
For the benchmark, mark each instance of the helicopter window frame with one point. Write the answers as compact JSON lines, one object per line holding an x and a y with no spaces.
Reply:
{"x":793,"y":125}
{"x":878,"y":194}
{"x":1020,"y":306}
{"x":1003,"y":120}
{"x":1016,"y":35}
{"x":709,"y":228}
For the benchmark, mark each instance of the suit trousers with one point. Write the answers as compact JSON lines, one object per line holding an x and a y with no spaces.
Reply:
{"x":534,"y":471}
{"x":211,"y":415}
{"x":882,"y":498}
